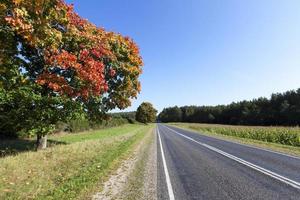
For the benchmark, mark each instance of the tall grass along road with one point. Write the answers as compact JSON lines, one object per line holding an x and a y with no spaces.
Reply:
{"x":203,"y":167}
{"x":71,"y":171}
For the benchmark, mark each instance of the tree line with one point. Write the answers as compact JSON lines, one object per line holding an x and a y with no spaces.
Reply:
{"x":279,"y":109}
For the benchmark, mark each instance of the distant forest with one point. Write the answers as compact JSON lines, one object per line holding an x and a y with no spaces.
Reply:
{"x":280,"y":109}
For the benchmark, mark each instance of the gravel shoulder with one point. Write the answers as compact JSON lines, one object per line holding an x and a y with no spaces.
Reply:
{"x":136,"y":177}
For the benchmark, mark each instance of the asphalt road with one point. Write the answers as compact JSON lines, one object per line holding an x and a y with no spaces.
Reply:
{"x":194,"y":166}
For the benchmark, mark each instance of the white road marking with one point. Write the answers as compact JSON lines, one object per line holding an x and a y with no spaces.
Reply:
{"x":169,"y":185}
{"x":251,"y":146}
{"x":275,"y":152}
{"x":283,"y":179}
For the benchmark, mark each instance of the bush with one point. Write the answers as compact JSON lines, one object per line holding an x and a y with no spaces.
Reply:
{"x":80,"y":125}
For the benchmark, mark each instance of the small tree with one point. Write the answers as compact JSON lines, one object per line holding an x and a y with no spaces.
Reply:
{"x":146,"y":113}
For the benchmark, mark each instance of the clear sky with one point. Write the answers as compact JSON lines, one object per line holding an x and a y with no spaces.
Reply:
{"x":206,"y":52}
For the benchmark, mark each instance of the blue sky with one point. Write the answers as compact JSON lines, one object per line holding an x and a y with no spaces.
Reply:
{"x":206,"y":52}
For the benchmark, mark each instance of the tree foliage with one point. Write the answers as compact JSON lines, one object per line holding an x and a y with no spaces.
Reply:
{"x":146,"y":113}
{"x":280,"y":109}
{"x":55,"y":63}
{"x":173,"y":114}
{"x":129,"y":116}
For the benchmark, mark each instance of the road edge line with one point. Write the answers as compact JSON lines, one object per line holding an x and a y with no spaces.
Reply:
{"x":274,"y":175}
{"x":168,"y":180}
{"x":242,"y":144}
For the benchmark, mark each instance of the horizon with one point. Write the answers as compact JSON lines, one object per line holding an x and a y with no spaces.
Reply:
{"x":209,"y":52}
{"x":268,"y":97}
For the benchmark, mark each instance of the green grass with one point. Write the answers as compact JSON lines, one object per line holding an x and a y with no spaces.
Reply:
{"x":96,"y":134}
{"x":15,"y":146}
{"x":72,"y":171}
{"x":231,"y":133}
{"x":135,"y":184}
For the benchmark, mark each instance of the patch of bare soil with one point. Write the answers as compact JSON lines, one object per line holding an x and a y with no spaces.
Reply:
{"x":115,"y":187}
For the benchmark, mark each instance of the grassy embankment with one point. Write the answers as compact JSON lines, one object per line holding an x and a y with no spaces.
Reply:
{"x":282,"y":139}
{"x":71,"y":171}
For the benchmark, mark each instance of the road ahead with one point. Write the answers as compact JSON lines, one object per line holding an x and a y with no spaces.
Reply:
{"x":194,"y":166}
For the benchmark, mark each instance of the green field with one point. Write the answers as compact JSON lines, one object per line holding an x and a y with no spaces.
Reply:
{"x":74,"y":169}
{"x":285,"y":139}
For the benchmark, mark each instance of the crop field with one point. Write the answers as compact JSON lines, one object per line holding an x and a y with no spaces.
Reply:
{"x":281,"y":135}
{"x":72,"y":170}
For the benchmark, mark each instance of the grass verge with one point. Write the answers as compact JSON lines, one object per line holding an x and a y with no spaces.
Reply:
{"x":16,"y":146}
{"x":134,"y":189}
{"x":70,"y":171}
{"x":213,"y":132}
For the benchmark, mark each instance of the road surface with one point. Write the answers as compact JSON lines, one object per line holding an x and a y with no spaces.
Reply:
{"x":194,"y":166}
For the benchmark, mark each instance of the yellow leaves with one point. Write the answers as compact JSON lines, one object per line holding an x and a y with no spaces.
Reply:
{"x":23,"y":80}
{"x":19,"y":23}
{"x":53,"y":24}
{"x":2,"y":9}
{"x":20,"y":12}
{"x":17,"y":2}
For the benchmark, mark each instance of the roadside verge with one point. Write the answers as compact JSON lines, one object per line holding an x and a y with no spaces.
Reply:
{"x":136,"y":176}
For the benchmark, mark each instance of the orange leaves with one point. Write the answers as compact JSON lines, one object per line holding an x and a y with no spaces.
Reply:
{"x":17,"y":2}
{"x":74,"y":19}
{"x":19,"y":23}
{"x":76,"y":58}
{"x":55,"y":82}
{"x":36,"y":21}
{"x":87,"y":67}
{"x":64,"y":60}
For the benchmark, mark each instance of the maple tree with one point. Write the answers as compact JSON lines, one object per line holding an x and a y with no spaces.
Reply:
{"x":63,"y":58}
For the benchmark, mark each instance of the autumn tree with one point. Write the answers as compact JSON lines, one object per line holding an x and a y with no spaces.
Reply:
{"x":56,"y":65}
{"x":146,"y":113}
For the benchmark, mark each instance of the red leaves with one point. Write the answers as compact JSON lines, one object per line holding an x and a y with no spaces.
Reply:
{"x":76,"y":56}
{"x":64,"y":59}
{"x":83,"y":54}
{"x":74,"y":18}
{"x":55,"y":82}
{"x":87,"y":67}
{"x":97,"y":52}
{"x":112,"y":72}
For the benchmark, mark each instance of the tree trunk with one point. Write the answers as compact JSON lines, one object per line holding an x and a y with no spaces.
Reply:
{"x":41,"y":142}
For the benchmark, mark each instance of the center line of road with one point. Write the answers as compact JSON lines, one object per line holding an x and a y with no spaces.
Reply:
{"x":169,"y":185}
{"x":274,"y":175}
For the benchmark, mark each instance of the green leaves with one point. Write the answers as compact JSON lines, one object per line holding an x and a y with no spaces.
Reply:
{"x":56,"y":64}
{"x":146,"y":113}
